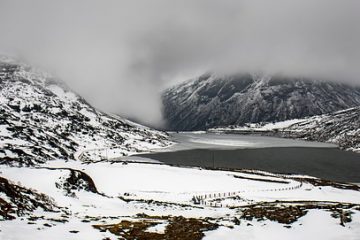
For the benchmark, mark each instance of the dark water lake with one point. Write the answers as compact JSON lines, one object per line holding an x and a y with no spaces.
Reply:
{"x":323,"y":162}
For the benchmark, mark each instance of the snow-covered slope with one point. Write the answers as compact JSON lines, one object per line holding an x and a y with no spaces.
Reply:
{"x":42,"y":119}
{"x":341,"y":127}
{"x":181,"y":203}
{"x":212,"y":100}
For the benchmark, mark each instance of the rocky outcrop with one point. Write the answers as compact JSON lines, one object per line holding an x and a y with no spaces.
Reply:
{"x":213,"y":100}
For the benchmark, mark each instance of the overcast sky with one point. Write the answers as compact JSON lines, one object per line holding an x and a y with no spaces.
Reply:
{"x":120,"y":54}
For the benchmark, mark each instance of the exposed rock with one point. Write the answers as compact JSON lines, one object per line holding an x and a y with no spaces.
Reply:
{"x":212,"y":100}
{"x":42,"y":119}
{"x":77,"y":181}
{"x":17,"y":200}
{"x":341,"y":128}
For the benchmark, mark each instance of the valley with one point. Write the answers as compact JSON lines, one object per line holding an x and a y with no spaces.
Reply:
{"x":179,"y":120}
{"x":70,"y":171}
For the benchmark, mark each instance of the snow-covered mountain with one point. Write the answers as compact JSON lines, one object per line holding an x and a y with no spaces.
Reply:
{"x":213,"y":100}
{"x":42,"y":119}
{"x":341,"y":127}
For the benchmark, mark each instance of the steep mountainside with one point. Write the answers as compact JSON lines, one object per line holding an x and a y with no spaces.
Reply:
{"x":41,"y":119}
{"x":342,"y":128}
{"x":212,"y":100}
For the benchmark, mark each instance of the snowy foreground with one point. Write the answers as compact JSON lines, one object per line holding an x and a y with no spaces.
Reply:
{"x":145,"y":201}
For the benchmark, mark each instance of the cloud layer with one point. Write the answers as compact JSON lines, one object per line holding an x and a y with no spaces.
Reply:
{"x":121,"y":54}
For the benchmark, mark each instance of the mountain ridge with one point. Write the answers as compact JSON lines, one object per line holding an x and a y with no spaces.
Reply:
{"x":341,"y":128}
{"x":42,"y":119}
{"x":218,"y":100}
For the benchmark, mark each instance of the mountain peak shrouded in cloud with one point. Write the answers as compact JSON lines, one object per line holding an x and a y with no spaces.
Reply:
{"x":121,"y":54}
{"x":213,"y":100}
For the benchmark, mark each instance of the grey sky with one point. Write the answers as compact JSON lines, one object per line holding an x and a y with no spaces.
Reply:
{"x":121,"y":54}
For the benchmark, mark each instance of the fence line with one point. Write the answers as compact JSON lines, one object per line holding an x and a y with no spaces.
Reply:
{"x":206,"y":199}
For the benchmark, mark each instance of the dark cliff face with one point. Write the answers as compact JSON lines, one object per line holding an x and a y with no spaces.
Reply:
{"x":212,"y":100}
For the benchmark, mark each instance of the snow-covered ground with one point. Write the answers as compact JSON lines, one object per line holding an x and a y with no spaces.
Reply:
{"x":42,"y":119}
{"x":316,"y":224}
{"x":341,"y":128}
{"x":261,"y":126}
{"x":161,"y":190}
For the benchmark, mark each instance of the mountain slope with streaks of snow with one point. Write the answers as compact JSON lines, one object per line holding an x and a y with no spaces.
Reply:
{"x":341,"y":127}
{"x":216,"y":100}
{"x":42,"y":119}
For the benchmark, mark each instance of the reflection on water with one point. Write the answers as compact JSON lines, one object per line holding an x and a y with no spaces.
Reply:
{"x":234,"y":141}
{"x":262,"y":153}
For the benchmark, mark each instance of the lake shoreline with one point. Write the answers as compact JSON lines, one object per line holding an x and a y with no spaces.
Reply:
{"x":326,"y":163}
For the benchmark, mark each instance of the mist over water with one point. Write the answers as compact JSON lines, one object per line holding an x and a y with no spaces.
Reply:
{"x":121,"y":54}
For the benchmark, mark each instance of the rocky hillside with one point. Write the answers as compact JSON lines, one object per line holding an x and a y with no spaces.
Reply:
{"x":16,"y":200}
{"x":42,"y":119}
{"x":341,"y":128}
{"x":212,"y":100}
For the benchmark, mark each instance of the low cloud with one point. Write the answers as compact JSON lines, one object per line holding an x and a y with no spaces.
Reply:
{"x":121,"y":54}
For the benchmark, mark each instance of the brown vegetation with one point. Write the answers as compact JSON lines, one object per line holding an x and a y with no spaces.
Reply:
{"x":21,"y":200}
{"x":290,"y":212}
{"x":178,"y":228}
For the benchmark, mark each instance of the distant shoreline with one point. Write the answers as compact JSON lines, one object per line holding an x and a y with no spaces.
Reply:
{"x":327,"y":163}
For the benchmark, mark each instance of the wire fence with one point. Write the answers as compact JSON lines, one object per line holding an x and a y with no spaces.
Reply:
{"x":208,"y":199}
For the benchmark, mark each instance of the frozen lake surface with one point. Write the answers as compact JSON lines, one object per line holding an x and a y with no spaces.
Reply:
{"x":271,"y":154}
{"x":193,"y":140}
